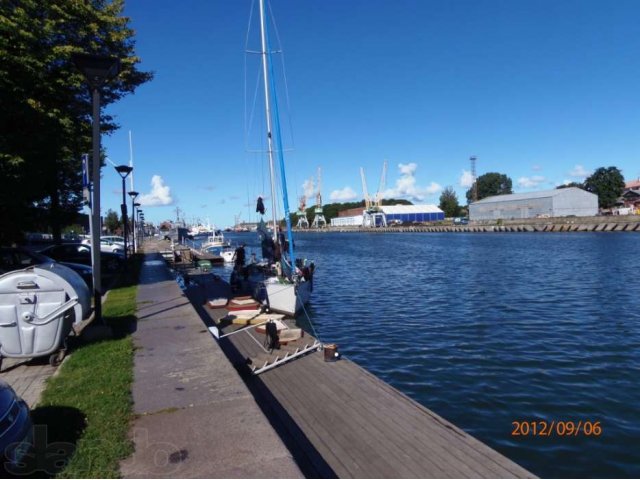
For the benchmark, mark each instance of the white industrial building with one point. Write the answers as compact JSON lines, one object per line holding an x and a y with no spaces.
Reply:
{"x":560,"y":202}
{"x":393,"y":213}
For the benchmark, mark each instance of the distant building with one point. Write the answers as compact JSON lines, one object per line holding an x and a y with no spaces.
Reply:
{"x":630,"y":198}
{"x":561,"y":202}
{"x":393,"y":213}
{"x":412,"y":213}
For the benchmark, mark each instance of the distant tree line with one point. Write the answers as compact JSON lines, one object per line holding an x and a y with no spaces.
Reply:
{"x":45,"y":125}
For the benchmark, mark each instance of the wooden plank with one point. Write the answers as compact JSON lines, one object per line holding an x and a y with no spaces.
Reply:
{"x":356,"y":435}
{"x":467,"y":448}
{"x":389,"y":441}
{"x":410,"y":414}
{"x":318,"y":437}
{"x":424,"y":434}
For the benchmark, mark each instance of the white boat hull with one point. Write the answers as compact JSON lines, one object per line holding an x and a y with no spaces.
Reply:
{"x":287,"y":298}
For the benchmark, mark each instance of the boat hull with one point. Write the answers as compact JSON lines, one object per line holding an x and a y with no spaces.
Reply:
{"x":287,"y":298}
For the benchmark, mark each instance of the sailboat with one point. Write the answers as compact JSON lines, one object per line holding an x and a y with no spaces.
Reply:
{"x":281,"y":280}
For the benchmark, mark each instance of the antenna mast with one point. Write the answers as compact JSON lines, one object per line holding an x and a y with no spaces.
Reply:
{"x":474,"y":193}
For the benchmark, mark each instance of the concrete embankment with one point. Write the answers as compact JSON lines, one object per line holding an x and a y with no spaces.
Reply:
{"x":613,"y":224}
{"x":195,"y":415}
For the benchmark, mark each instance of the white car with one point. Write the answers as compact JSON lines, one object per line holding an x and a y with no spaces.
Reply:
{"x":110,"y":244}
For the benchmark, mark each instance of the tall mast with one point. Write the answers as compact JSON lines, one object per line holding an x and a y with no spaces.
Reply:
{"x":267,"y":104}
{"x":269,"y":86}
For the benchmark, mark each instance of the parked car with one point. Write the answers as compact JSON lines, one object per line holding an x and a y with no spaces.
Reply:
{"x":16,"y":428}
{"x":17,"y":258}
{"x":81,"y":253}
{"x":109,"y":244}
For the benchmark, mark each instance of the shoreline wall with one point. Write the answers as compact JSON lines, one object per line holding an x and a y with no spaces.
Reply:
{"x":627,"y":223}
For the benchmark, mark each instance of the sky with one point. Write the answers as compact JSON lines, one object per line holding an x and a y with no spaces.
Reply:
{"x":544,"y":91}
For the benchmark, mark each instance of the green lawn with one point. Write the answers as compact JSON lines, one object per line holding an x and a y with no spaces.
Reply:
{"x":90,"y":398}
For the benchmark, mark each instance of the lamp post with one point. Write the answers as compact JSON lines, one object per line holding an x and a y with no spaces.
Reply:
{"x":136,"y":237}
{"x":133,"y":196}
{"x":97,"y":70}
{"x":141,"y":222}
{"x":124,"y":171}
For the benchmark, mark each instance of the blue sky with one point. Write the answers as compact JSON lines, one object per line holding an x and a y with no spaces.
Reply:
{"x":544,"y":91}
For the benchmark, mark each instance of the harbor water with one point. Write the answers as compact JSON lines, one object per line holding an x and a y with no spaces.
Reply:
{"x":492,"y":331}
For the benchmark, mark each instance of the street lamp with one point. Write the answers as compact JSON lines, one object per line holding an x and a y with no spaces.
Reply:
{"x":133,"y":226}
{"x":97,"y":70}
{"x":124,"y":171}
{"x":141,"y":222}
{"x":133,"y":196}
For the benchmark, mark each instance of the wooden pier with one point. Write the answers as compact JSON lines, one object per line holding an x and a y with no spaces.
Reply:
{"x":338,"y":420}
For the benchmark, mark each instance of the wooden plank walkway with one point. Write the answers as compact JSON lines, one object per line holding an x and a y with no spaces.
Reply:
{"x":338,"y":420}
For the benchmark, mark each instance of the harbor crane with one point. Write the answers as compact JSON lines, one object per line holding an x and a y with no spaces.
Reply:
{"x":303,"y":222}
{"x":319,"y":221}
{"x":373,"y":215}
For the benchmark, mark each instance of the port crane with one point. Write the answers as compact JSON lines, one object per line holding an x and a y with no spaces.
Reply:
{"x":319,"y":221}
{"x":373,"y":215}
{"x":303,"y":222}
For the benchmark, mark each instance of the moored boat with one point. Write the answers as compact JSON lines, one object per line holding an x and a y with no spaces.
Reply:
{"x":279,"y":279}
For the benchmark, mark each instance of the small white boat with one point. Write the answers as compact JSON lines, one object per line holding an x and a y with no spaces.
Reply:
{"x":215,"y":240}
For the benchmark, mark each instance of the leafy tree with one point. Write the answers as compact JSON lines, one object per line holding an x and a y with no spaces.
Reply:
{"x":449,"y":203}
{"x":571,"y":184}
{"x":490,"y":184}
{"x":46,"y":105}
{"x":112,"y":221}
{"x":607,"y":183}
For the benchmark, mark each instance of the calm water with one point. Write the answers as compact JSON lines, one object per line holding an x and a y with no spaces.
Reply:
{"x":488,"y":329}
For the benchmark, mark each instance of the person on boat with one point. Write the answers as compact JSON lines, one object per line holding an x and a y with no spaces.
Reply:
{"x":268,"y":249}
{"x":238,"y":257}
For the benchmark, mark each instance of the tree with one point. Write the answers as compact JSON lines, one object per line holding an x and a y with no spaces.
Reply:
{"x":571,"y":184}
{"x":112,"y":221}
{"x":46,"y":105}
{"x":490,"y":184}
{"x":449,"y":203}
{"x":607,"y":183}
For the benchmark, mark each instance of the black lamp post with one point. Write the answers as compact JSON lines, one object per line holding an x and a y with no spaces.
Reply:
{"x":124,"y":171}
{"x":136,"y":234}
{"x":133,"y":196}
{"x":97,"y":70}
{"x":141,"y":221}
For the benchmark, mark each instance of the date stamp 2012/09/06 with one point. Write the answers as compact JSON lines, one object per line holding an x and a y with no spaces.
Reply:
{"x":558,"y":428}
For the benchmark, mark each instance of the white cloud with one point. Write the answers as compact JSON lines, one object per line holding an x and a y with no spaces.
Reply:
{"x":579,"y":172}
{"x":466,"y":179}
{"x":160,"y":194}
{"x":433,"y":188}
{"x":407,"y":168}
{"x":536,"y":168}
{"x":308,"y":188}
{"x":531,"y":182}
{"x":406,"y":186}
{"x":344,"y":195}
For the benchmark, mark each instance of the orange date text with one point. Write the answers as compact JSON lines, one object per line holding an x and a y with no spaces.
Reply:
{"x":557,"y":428}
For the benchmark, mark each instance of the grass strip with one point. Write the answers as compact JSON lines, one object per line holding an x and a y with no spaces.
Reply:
{"x":91,"y":395}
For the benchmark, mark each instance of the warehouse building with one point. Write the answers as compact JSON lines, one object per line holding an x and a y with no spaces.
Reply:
{"x":393,"y":214}
{"x":561,"y":202}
